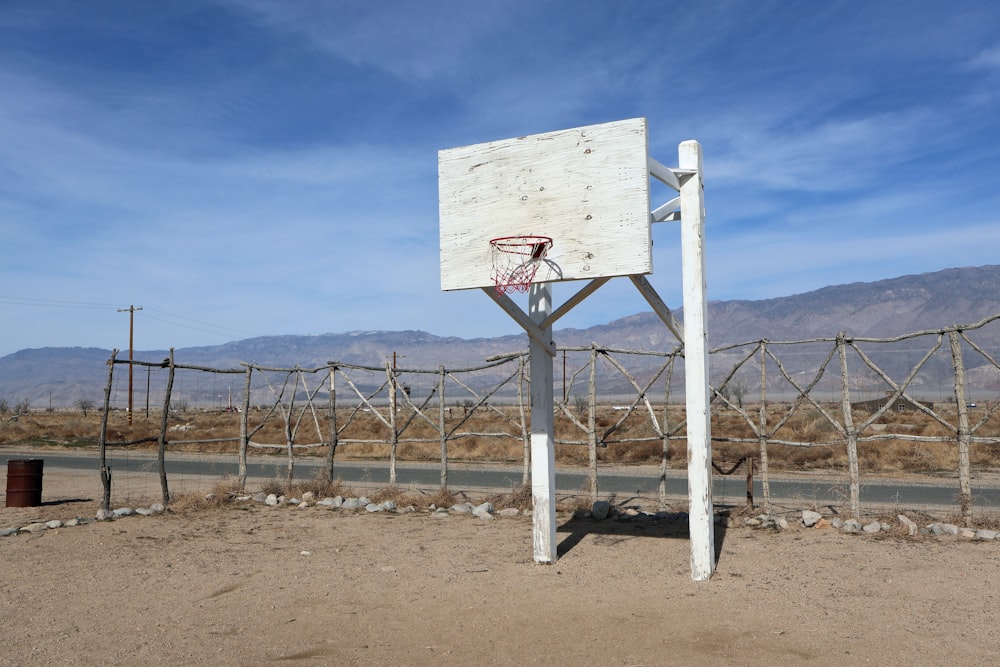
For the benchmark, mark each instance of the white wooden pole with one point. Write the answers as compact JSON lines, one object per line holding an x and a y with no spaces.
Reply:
{"x":543,"y":471}
{"x":699,"y":429}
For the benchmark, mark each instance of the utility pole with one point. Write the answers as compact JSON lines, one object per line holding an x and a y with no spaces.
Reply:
{"x":131,"y":331}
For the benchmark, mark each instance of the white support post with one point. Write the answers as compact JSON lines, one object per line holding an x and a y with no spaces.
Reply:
{"x":699,"y":428}
{"x":543,"y":471}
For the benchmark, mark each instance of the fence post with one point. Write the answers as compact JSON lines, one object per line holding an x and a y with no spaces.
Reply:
{"x":964,"y":437}
{"x":245,"y":430}
{"x":334,"y":434}
{"x":526,"y":442}
{"x":442,"y":428}
{"x":765,"y":482}
{"x":393,"y":435}
{"x":849,"y":430}
{"x":103,"y":441}
{"x":665,"y":428}
{"x":592,"y":424}
{"x":162,"y":438}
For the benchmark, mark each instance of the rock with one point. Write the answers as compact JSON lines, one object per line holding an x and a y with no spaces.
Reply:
{"x":123,"y":511}
{"x":781,"y":523}
{"x":600,"y":510}
{"x":55,"y":523}
{"x":822,"y":523}
{"x":73,"y":522}
{"x":754,"y":522}
{"x":271,"y":500}
{"x":409,"y":509}
{"x":143,"y":511}
{"x":852,"y":526}
{"x":462,"y":508}
{"x":948,"y":529}
{"x":373,"y":507}
{"x":309,"y":497}
{"x":388,"y":506}
{"x":7,"y":532}
{"x":294,"y":501}
{"x":967,"y":533}
{"x":906,"y":522}
{"x":303,"y":505}
{"x":104,"y":515}
{"x":984,"y":534}
{"x":362,"y":501}
{"x":885,"y":527}
{"x":157,"y":508}
{"x":872,"y":527}
{"x":34,"y":528}
{"x":508,"y":512}
{"x":353,"y":503}
{"x":837,"y":522}
{"x":810,"y":518}
{"x":483,"y":510}
{"x":260,"y":496}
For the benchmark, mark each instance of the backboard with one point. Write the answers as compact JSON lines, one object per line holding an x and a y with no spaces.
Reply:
{"x":587,"y":188}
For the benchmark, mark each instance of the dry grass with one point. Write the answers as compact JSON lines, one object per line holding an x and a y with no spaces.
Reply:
{"x":222,"y":494}
{"x":806,"y":424}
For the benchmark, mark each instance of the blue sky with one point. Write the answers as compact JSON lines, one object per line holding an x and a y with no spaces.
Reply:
{"x":242,"y":168}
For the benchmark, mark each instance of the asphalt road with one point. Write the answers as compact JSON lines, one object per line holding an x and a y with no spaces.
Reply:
{"x":624,"y":482}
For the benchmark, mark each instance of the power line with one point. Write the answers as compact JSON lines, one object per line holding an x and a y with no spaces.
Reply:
{"x":167,"y":318}
{"x":53,"y":303}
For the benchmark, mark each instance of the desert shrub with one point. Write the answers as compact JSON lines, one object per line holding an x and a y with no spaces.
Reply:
{"x":321,"y":487}
{"x":441,"y":498}
{"x":223,"y":493}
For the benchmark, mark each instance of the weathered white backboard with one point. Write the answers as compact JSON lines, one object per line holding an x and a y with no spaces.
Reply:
{"x":587,"y":188}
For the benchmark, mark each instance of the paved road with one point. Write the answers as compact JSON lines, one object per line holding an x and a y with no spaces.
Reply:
{"x":623,"y":482}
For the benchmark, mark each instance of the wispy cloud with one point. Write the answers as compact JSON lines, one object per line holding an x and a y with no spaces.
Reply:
{"x":272,"y":166}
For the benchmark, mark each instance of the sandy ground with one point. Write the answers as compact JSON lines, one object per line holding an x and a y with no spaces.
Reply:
{"x":256,"y":585}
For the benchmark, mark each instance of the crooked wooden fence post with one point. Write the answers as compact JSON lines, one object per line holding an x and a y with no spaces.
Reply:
{"x":665,"y":429}
{"x":765,"y":481}
{"x":442,"y":428}
{"x":162,"y":438}
{"x":964,"y":437}
{"x":334,"y":435}
{"x":849,"y":431}
{"x":245,"y":430}
{"x":393,"y":434}
{"x":525,"y":440}
{"x":103,"y":441}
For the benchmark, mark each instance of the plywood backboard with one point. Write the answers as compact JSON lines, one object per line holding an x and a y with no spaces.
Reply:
{"x":587,"y":188}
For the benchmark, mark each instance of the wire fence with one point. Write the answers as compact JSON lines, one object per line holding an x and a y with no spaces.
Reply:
{"x":833,"y":393}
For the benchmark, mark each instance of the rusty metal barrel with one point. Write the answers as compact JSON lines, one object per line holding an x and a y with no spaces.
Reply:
{"x":24,"y":482}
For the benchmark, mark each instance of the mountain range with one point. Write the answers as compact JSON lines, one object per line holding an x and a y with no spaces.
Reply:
{"x":59,"y":377}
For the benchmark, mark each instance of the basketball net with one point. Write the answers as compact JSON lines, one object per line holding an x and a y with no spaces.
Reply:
{"x":516,"y":260}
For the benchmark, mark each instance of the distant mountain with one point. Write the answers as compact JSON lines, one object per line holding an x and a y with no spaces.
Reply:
{"x":61,"y":376}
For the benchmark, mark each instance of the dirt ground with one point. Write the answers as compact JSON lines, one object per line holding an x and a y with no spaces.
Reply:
{"x":258,"y":585}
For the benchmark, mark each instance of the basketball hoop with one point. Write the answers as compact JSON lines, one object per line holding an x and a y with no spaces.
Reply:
{"x":515,"y":261}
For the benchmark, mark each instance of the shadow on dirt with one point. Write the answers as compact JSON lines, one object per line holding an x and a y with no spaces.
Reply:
{"x":621,"y":525}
